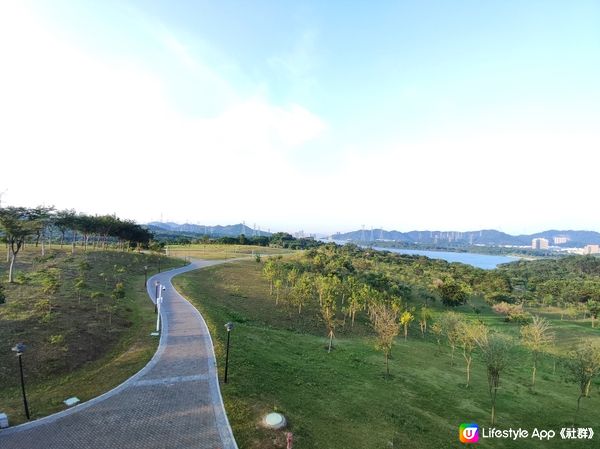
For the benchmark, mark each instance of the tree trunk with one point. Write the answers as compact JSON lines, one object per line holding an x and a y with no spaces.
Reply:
{"x":469,"y":360}
{"x":387,"y":364}
{"x":330,"y":341}
{"x":534,"y":371}
{"x":13,"y":256}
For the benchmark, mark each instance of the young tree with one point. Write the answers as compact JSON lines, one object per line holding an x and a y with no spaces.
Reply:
{"x":328,"y":288}
{"x":278,"y":283}
{"x":80,"y":286}
{"x":359,"y":296}
{"x":583,"y":365}
{"x":468,"y":333}
{"x":593,"y":308}
{"x":536,"y":336}
{"x":425,"y":316}
{"x":384,"y":320}
{"x":117,"y":294}
{"x":270,"y":272}
{"x":451,"y":327}
{"x":495,"y":349}
{"x":302,"y":291}
{"x":405,"y":320}
{"x":438,"y":331}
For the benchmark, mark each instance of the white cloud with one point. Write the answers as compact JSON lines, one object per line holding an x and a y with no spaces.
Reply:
{"x":102,"y":136}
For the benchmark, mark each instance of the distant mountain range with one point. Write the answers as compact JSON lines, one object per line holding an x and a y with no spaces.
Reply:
{"x":195,"y":230}
{"x":488,"y":237}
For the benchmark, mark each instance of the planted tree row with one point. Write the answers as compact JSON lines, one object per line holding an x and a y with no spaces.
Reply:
{"x":41,"y":225}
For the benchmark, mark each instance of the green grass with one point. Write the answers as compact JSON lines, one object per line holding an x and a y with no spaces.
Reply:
{"x":218,"y":251}
{"x":72,"y":351}
{"x":278,"y":361}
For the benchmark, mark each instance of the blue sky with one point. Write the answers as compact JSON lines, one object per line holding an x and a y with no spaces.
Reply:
{"x":321,"y":116}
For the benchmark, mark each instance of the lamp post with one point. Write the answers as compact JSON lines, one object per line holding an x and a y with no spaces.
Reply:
{"x":20,"y":349}
{"x":145,"y":275}
{"x":159,"y":259}
{"x":229,"y":327}
{"x":156,"y":288}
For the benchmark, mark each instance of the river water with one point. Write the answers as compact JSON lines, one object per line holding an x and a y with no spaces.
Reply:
{"x":484,"y":261}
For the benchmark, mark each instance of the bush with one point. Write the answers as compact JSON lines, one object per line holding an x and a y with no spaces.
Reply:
{"x":513,"y":313}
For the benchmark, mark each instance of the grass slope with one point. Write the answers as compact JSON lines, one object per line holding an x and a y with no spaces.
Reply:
{"x":218,"y":251}
{"x":342,"y":400}
{"x":72,"y":350}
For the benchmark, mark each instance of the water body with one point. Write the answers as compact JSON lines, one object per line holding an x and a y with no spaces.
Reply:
{"x":484,"y":261}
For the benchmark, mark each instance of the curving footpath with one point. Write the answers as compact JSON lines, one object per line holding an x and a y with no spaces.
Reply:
{"x":173,"y":402}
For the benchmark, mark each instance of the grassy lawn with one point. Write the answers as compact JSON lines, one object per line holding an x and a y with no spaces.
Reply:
{"x":278,"y":361}
{"x":71,"y":348}
{"x":218,"y":251}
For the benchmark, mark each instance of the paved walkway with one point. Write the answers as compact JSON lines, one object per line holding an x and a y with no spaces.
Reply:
{"x":174,"y":402}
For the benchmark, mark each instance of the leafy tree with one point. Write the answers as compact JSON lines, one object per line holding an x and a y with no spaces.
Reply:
{"x":452,"y":293}
{"x":495,"y":350}
{"x":358,"y":300}
{"x":536,"y":337}
{"x":593,"y":307}
{"x":18,"y":224}
{"x":583,"y":365}
{"x":384,"y":320}
{"x":405,"y":320}
{"x":270,"y":272}
{"x":302,"y":291}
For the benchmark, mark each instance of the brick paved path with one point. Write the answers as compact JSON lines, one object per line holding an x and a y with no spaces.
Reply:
{"x":174,"y":402}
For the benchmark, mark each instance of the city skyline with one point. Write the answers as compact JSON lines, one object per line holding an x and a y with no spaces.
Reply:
{"x":321,"y":117}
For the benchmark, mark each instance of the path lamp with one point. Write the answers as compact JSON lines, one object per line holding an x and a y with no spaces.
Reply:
{"x":145,"y":275}
{"x":229,"y":327}
{"x":20,"y":349}
{"x":159,"y":302}
{"x":156,"y":289}
{"x":159,"y":259}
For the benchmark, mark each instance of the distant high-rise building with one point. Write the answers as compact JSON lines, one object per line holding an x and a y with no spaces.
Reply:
{"x":591,"y":249}
{"x":560,"y":239}
{"x":540,"y":243}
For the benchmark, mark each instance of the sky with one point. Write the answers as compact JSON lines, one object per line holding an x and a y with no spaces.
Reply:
{"x":305,"y":115}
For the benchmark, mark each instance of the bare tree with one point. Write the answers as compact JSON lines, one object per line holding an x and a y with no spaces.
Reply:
{"x":536,"y":336}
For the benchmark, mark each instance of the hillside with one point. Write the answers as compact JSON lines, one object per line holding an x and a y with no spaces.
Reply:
{"x":85,"y":319}
{"x":489,"y":237}
{"x":195,"y":230}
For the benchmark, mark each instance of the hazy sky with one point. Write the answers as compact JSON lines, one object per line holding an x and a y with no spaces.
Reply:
{"x":321,"y":116}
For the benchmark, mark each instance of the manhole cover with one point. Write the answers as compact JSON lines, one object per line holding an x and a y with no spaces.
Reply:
{"x":274,"y":420}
